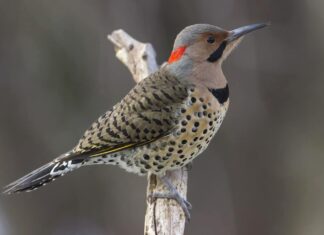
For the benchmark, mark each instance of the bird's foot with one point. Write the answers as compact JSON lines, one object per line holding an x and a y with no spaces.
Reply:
{"x":183,"y":203}
{"x":173,"y":194}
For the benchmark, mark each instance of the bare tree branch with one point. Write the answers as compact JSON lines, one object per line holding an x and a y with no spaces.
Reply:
{"x":163,"y":216}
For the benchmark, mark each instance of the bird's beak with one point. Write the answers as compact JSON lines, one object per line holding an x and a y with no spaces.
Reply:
{"x":239,"y":32}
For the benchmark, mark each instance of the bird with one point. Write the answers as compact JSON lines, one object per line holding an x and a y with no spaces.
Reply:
{"x":164,"y":122}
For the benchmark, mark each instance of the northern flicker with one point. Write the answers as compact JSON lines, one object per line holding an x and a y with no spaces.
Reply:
{"x":165,"y":121}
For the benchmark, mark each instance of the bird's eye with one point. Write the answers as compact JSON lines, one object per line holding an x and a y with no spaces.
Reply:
{"x":211,"y":39}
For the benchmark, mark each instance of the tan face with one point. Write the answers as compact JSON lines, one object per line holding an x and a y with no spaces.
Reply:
{"x":200,"y":60}
{"x":205,"y":45}
{"x":200,"y":49}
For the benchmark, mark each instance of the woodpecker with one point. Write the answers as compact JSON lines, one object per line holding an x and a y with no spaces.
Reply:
{"x":165,"y":121}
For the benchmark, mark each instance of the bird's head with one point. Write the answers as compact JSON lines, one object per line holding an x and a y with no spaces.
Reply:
{"x":201,"y":48}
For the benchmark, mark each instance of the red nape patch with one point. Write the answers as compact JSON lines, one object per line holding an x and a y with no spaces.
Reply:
{"x":176,"y":54}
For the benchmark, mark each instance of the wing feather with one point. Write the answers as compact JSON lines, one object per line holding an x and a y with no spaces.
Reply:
{"x":146,"y":113}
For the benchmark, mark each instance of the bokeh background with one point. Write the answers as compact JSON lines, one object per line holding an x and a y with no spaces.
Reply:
{"x":263,"y":172}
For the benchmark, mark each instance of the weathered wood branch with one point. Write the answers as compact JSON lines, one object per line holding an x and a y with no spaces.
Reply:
{"x":163,"y":216}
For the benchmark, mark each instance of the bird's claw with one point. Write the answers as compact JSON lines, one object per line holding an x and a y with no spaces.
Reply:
{"x":183,"y":203}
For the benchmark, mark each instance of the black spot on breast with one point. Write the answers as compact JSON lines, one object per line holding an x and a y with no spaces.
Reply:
{"x":221,"y":94}
{"x":157,"y":121}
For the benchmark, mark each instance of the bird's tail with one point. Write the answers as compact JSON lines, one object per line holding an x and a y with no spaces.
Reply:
{"x":45,"y":174}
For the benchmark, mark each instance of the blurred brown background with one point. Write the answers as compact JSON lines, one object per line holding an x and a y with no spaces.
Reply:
{"x":262,"y":174}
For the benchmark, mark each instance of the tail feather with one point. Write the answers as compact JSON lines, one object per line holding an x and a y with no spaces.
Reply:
{"x":43,"y":175}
